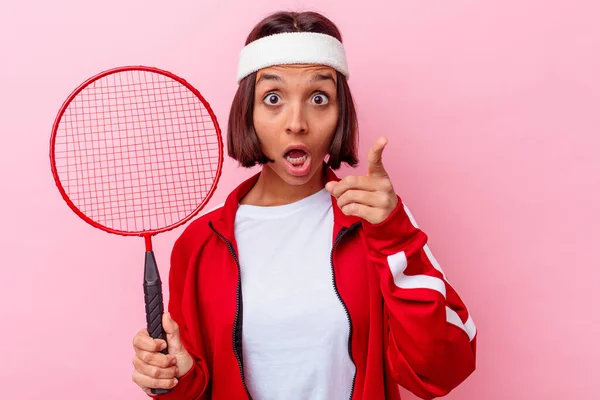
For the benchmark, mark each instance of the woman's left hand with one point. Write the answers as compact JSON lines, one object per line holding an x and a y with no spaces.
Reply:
{"x":370,"y":197}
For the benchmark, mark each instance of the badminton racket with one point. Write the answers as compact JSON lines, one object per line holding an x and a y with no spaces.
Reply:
{"x":137,"y":151}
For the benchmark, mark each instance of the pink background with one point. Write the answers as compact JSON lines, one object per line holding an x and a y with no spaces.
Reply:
{"x":492,"y":108}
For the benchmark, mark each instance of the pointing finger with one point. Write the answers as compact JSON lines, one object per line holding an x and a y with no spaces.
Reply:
{"x":375,"y":159}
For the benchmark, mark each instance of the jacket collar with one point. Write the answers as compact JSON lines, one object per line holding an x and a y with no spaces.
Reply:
{"x":224,"y":222}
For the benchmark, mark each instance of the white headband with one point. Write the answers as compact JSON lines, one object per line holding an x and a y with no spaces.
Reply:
{"x":292,"y":48}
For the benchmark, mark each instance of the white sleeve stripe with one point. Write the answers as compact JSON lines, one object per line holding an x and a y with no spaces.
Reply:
{"x":410,"y":216}
{"x":453,"y":318}
{"x":471,"y":329}
{"x":433,"y":261}
{"x":421,"y":282}
{"x":398,"y":263}
{"x":426,"y":248}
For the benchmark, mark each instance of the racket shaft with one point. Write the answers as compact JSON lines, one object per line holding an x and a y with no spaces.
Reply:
{"x":154,"y":304}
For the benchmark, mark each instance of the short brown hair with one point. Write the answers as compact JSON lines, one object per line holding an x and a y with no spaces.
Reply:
{"x":242,"y":141}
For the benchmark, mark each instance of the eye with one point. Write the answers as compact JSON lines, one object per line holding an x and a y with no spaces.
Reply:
{"x":320,"y":99}
{"x":272,"y":99}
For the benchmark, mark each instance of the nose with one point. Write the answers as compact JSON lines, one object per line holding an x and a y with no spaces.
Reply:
{"x":296,"y":121}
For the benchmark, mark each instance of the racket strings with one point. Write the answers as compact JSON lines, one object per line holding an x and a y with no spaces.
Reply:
{"x":136,"y":151}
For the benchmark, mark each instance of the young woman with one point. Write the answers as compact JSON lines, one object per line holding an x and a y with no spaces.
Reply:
{"x":302,"y":285}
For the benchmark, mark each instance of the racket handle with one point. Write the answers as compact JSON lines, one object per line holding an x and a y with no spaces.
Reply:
{"x":154,"y":304}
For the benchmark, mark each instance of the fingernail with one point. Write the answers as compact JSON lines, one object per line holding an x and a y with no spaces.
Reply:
{"x":176,"y":381}
{"x":163,"y":346}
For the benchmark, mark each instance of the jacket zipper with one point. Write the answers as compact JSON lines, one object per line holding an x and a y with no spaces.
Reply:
{"x":340,"y":235}
{"x":235,"y":336}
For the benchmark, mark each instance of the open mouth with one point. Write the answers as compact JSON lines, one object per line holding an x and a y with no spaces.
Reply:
{"x":296,"y":157}
{"x":297,"y":161}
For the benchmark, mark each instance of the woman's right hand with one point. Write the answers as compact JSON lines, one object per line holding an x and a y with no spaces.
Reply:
{"x":153,"y":369}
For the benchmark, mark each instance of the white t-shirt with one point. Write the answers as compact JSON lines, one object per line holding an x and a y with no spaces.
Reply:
{"x":295,"y":329}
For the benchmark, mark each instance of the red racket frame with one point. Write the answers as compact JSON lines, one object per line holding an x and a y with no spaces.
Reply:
{"x":148,"y":233}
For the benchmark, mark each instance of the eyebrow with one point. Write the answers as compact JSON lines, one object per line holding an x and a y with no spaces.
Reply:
{"x":322,"y":77}
{"x":270,"y":77}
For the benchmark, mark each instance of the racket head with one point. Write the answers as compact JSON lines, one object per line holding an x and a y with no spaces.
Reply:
{"x":90,"y":162}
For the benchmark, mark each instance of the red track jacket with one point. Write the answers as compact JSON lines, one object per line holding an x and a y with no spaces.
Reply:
{"x":408,"y":326}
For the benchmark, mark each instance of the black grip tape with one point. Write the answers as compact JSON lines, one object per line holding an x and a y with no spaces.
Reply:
{"x":154,"y":305}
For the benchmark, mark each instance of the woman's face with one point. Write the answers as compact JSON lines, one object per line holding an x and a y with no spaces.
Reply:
{"x":295,"y":118}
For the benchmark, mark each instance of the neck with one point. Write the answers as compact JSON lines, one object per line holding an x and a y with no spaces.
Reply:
{"x":271,"y":190}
